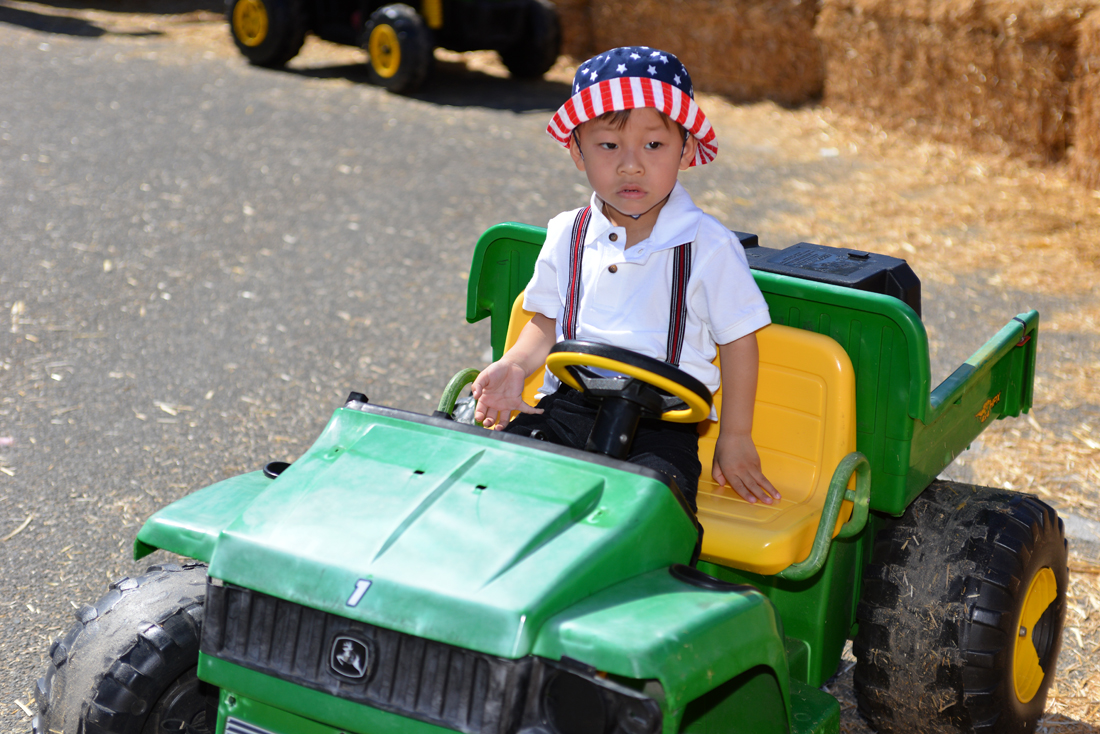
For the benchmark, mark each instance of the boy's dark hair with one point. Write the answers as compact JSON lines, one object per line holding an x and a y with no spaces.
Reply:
{"x":618,"y":119}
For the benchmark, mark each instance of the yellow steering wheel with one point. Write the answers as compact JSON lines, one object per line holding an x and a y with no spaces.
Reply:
{"x":678,"y":397}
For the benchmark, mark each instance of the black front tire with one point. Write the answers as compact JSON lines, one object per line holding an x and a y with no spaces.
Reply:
{"x":268,"y":32}
{"x":961,"y":615}
{"x":533,"y":54}
{"x":128,"y":666}
{"x":399,"y":48}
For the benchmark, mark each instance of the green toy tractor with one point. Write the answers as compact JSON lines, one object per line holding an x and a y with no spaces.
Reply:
{"x":413,"y":573}
{"x":399,"y":37}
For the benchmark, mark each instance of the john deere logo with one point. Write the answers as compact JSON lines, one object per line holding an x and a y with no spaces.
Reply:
{"x":350,"y":658}
{"x":987,"y":409}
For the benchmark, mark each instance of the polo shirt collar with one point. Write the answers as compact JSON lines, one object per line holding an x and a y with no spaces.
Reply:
{"x":677,"y":222}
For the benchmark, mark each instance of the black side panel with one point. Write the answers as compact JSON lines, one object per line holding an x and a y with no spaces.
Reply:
{"x":471,"y":25}
{"x":338,"y":21}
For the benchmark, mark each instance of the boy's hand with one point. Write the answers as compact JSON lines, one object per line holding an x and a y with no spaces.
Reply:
{"x":737,"y":463}
{"x":499,"y":391}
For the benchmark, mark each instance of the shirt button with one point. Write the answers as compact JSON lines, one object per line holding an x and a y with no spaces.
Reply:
{"x":613,"y":268}
{"x":613,"y":237}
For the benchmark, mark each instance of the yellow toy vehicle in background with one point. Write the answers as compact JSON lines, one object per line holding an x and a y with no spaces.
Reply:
{"x":399,"y":38}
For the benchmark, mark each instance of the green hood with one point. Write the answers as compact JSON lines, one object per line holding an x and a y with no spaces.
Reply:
{"x":465,"y":536}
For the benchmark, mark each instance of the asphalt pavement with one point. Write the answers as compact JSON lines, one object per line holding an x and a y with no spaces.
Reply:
{"x":199,"y":259}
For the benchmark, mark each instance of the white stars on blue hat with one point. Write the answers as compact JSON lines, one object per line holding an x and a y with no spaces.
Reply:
{"x":633,"y":61}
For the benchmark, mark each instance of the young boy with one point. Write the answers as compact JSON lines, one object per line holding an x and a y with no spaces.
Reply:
{"x":614,"y":272}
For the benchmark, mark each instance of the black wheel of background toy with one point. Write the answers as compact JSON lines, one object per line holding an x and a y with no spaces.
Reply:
{"x":268,"y":32}
{"x":961,"y":616}
{"x":128,"y":665}
{"x":533,"y":54}
{"x":399,"y":48}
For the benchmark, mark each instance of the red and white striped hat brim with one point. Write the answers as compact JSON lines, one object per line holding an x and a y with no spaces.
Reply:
{"x":626,"y":93}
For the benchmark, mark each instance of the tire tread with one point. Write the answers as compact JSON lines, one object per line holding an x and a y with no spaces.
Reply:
{"x":939,"y":599}
{"x":73,"y":698}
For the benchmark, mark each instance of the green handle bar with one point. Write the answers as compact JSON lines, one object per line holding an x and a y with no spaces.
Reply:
{"x":454,"y":388}
{"x":856,"y":463}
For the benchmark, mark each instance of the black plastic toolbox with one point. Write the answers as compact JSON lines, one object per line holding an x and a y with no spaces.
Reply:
{"x":865,"y":271}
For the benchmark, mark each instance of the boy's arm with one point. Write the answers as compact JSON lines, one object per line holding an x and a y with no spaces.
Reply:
{"x":499,"y":387}
{"x":736,"y":461}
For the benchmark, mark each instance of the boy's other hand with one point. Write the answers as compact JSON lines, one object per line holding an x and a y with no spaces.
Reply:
{"x":737,"y":464}
{"x":499,"y":391}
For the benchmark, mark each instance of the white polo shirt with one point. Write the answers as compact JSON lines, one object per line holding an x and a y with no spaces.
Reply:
{"x":626,"y":293}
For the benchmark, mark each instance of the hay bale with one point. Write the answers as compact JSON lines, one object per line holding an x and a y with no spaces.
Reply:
{"x":745,"y":49}
{"x":994,"y":74}
{"x":1085,"y":159}
{"x":576,"y":28}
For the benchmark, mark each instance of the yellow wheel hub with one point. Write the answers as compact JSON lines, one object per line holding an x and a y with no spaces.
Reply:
{"x":385,"y":51}
{"x":250,"y":22}
{"x":1027,"y":673}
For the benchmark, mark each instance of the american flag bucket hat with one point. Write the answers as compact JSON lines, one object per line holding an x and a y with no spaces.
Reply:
{"x":634,"y":76}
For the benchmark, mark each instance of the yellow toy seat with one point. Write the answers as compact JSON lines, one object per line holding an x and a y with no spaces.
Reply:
{"x":803,"y":425}
{"x":516,"y":321}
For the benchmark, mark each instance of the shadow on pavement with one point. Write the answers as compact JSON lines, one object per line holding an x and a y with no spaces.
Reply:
{"x":151,"y":7}
{"x":74,"y":26}
{"x":453,"y":84}
{"x":50,"y":23}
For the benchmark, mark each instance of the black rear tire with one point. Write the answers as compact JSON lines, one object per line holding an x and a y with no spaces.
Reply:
{"x":129,"y":663}
{"x":533,"y":54}
{"x":950,"y":586}
{"x":399,"y":48}
{"x":268,"y":32}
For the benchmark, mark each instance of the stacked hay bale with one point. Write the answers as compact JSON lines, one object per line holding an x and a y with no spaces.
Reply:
{"x":1085,"y":161}
{"x":576,"y":28}
{"x":994,"y":74}
{"x":745,"y":49}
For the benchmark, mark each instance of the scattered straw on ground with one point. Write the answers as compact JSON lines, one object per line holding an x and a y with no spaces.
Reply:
{"x":945,"y":209}
{"x":948,"y":212}
{"x":951,"y":212}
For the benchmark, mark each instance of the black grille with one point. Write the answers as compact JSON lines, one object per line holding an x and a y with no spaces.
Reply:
{"x":411,"y":676}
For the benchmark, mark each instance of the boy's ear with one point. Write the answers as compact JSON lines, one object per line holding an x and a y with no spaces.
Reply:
{"x":690,"y":146}
{"x":575,"y":152}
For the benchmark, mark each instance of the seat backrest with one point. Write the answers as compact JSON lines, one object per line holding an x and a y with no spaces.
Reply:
{"x":803,"y":425}
{"x":518,"y":320}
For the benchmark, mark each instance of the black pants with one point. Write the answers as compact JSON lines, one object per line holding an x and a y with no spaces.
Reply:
{"x":671,"y":448}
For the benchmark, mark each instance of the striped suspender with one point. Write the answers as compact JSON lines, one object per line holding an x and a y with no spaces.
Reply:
{"x":677,"y":311}
{"x":576,"y":252}
{"x":681,"y":273}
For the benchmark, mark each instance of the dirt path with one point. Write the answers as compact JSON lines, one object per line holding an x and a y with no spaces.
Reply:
{"x":1006,"y":236}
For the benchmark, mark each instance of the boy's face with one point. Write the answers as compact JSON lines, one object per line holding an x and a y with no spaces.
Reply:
{"x":633,"y":168}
